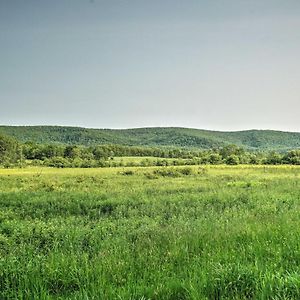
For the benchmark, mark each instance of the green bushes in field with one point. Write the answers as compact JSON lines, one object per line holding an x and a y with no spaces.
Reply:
{"x":58,"y":162}
{"x":292,"y":157}
{"x":127,"y":172}
{"x":232,"y":160}
{"x":13,"y":154}
{"x":173,"y":172}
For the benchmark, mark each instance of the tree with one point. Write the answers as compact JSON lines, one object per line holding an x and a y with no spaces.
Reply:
{"x":274,"y":158}
{"x":292,"y":157}
{"x":231,"y":150}
{"x":9,"y":150}
{"x":215,"y":158}
{"x":232,"y":160}
{"x":72,"y":152}
{"x":99,"y":153}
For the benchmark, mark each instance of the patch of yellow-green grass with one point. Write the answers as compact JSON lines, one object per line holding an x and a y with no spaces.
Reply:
{"x":186,"y":232}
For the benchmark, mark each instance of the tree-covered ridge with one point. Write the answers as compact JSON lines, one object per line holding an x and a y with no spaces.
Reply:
{"x":156,"y":137}
{"x":14,"y":153}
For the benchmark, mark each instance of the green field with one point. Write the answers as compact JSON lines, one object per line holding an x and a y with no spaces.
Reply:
{"x":211,"y":232}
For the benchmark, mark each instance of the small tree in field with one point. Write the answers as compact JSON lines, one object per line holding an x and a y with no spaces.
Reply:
{"x":292,"y":157}
{"x":10,"y":151}
{"x":232,"y":160}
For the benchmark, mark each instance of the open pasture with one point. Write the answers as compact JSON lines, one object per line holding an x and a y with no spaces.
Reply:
{"x":201,"y":232}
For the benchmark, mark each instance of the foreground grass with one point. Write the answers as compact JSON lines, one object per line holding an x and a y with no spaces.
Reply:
{"x":152,"y":233}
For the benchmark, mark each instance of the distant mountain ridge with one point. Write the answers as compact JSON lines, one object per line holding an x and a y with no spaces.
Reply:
{"x":156,"y":137}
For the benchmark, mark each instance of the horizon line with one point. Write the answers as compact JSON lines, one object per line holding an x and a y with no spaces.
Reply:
{"x":146,"y":127}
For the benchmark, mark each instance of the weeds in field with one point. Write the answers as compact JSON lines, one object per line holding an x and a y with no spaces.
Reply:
{"x":215,"y":232}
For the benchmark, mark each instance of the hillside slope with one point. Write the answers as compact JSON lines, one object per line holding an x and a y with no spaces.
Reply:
{"x":156,"y":136}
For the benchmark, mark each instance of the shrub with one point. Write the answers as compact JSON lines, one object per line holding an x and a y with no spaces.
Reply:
{"x":173,"y":172}
{"x":128,"y":172}
{"x":57,"y":162}
{"x":186,"y":171}
{"x":232,"y":160}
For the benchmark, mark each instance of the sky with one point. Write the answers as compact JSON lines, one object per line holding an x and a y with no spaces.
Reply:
{"x":211,"y":64}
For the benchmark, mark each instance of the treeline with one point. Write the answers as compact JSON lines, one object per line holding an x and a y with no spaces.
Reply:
{"x":13,"y":153}
{"x":253,"y":140}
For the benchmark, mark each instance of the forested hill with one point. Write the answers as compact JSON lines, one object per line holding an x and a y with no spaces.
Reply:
{"x":156,"y":136}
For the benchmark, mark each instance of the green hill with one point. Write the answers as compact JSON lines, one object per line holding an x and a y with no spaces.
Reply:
{"x":156,"y":136}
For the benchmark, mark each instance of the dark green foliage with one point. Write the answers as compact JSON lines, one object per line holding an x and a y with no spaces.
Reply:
{"x":57,"y":162}
{"x":72,"y":152}
{"x":274,"y":158}
{"x":292,"y":157}
{"x":173,"y":172}
{"x":157,"y":137}
{"x":215,"y":158}
{"x":103,"y":156}
{"x":127,"y":172}
{"x":186,"y":171}
{"x":232,"y":159}
{"x":10,"y":151}
{"x":33,"y":150}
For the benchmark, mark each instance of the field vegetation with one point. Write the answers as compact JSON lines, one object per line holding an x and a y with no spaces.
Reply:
{"x":169,"y":232}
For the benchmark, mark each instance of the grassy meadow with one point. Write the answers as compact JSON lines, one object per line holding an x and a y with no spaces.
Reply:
{"x":201,"y":232}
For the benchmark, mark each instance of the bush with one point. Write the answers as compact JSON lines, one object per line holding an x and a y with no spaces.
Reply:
{"x":173,"y":172}
{"x":186,"y":171}
{"x":57,"y":162}
{"x":292,"y":157}
{"x":127,"y":172}
{"x":232,"y":160}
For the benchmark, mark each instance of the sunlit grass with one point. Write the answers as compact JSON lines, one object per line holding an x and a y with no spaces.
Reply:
{"x":218,"y":232}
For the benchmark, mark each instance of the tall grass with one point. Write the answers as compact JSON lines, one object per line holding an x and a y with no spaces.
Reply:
{"x":216,"y":232}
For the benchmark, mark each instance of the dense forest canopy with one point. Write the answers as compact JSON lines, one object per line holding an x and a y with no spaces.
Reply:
{"x":15,"y":153}
{"x":156,"y":137}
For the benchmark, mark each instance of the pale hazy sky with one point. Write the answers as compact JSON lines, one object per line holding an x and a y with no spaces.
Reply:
{"x":222,"y":65}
